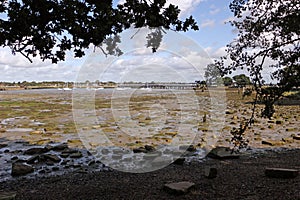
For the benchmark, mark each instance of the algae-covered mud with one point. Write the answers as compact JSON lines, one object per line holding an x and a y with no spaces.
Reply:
{"x":54,"y":131}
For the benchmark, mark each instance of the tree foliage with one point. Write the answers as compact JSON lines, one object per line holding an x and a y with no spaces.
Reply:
{"x":241,"y":80}
{"x":227,"y":81}
{"x":268,"y":36}
{"x":213,"y":75}
{"x":49,"y":28}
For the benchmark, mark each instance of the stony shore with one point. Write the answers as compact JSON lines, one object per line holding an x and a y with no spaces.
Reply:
{"x":242,"y":178}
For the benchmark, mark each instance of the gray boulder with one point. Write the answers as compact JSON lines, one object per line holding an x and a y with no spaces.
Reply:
{"x":222,"y":153}
{"x":19,"y":169}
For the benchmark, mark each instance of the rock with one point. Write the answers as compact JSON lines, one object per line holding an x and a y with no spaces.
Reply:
{"x":32,"y":159}
{"x":179,"y":161}
{"x":76,"y":165}
{"x":190,"y":148}
{"x":19,"y":169}
{"x":2,"y":130}
{"x":267,"y":142}
{"x":93,"y":162}
{"x":3,"y":145}
{"x":105,"y":151}
{"x":35,"y":150}
{"x":48,"y":147}
{"x":289,"y":129}
{"x":273,"y":143}
{"x":281,"y":173}
{"x":229,"y":112}
{"x":7,"y":195}
{"x":53,"y":158}
{"x":140,"y":150}
{"x":288,"y":140}
{"x":235,"y":117}
{"x":279,"y":122}
{"x":49,"y":162}
{"x":172,"y":134}
{"x":296,"y":137}
{"x":271,"y":126}
{"x":179,"y":187}
{"x":210,"y":172}
{"x":36,"y":132}
{"x":64,"y":155}
{"x":76,"y":155}
{"x":15,"y":158}
{"x":69,"y":151}
{"x":64,"y":162}
{"x":96,"y":127}
{"x":222,"y":153}
{"x":75,"y":142}
{"x":149,"y":148}
{"x":55,"y":168}
{"x":60,"y":147}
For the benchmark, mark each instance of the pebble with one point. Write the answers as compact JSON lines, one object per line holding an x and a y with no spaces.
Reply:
{"x":179,"y":187}
{"x":7,"y":195}
{"x":281,"y":173}
{"x":210,"y":172}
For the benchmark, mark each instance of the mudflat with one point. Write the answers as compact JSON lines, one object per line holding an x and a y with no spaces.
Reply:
{"x":37,"y":129}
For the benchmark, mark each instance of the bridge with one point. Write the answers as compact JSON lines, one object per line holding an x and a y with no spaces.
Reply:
{"x":177,"y":86}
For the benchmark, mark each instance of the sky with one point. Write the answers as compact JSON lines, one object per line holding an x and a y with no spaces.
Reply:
{"x":182,"y":56}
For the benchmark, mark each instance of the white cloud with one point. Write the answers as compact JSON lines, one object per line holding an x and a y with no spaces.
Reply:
{"x":215,"y":11}
{"x":186,"y":6}
{"x":215,"y":53}
{"x":187,"y":66}
{"x":207,"y":23}
{"x":18,"y":68}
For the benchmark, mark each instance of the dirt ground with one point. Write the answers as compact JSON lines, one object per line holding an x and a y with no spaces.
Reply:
{"x":242,"y":178}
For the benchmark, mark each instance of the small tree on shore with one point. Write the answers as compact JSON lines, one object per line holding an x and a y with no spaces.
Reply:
{"x":268,"y":37}
{"x":212,"y":75}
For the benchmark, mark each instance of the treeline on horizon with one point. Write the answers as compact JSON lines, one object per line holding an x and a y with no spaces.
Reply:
{"x":51,"y":83}
{"x":227,"y":81}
